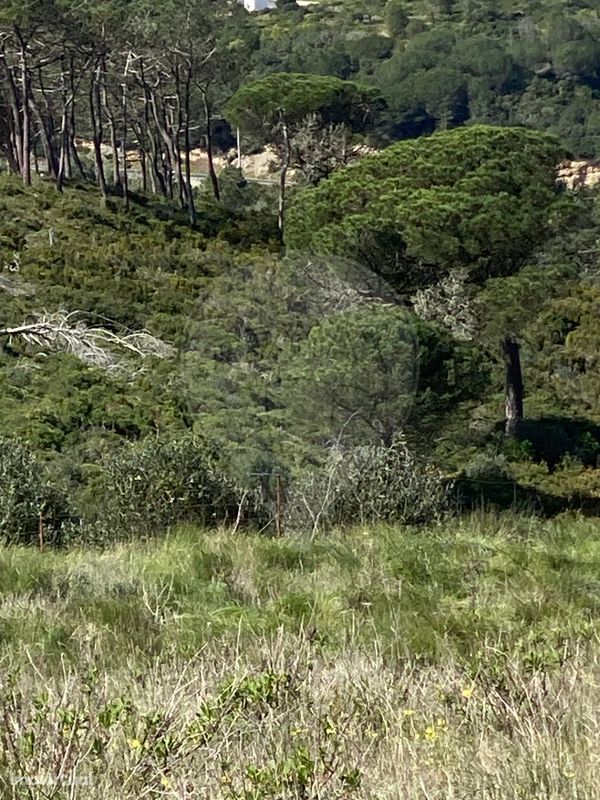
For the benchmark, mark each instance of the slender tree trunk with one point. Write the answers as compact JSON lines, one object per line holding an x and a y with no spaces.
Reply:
{"x":171,"y":156}
{"x":96,"y":118}
{"x":16,"y":135}
{"x":64,"y":144}
{"x":125,"y":175}
{"x":46,"y":135}
{"x":144,"y":168}
{"x":167,"y":173}
{"x":174,"y":127}
{"x":72,"y":126}
{"x":46,"y":127}
{"x":26,"y":121}
{"x":64,"y":137}
{"x":116,"y":170}
{"x":514,"y":386}
{"x":209,"y":147}
{"x":285,"y":163}
{"x":68,"y":162}
{"x":143,"y":154}
{"x":156,"y":178}
{"x":188,"y":147}
{"x":112,"y":131}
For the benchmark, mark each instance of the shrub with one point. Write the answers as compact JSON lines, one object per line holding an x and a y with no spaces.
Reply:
{"x":488,"y":467}
{"x":370,"y":484}
{"x":27,"y":496}
{"x":150,"y":485}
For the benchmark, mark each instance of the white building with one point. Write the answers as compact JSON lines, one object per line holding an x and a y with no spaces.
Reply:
{"x":257,"y":5}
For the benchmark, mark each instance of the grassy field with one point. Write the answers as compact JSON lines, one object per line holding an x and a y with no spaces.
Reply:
{"x":456,"y":662}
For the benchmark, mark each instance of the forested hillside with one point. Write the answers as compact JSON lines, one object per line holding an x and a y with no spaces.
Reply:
{"x":440,"y":63}
{"x":299,"y":477}
{"x":288,"y":354}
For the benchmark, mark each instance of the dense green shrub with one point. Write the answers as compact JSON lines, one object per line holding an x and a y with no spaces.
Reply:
{"x":150,"y":485}
{"x":480,"y":198}
{"x":27,"y":498}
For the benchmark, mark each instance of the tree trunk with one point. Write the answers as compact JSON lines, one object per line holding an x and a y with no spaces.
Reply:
{"x":285,"y":163}
{"x":125,"y":174}
{"x":149,"y":141}
{"x":172,"y":157}
{"x":143,"y":154}
{"x":72,"y":128}
{"x":112,"y":130}
{"x":64,"y":143}
{"x":209,"y":154}
{"x":96,"y":118}
{"x":46,"y":135}
{"x":15,"y":129}
{"x":514,"y":386}
{"x":174,"y":128}
{"x":26,"y":122}
{"x":188,"y":147}
{"x":64,"y":136}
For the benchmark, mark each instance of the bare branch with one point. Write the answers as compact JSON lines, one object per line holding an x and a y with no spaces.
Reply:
{"x":448,"y":302}
{"x":66,"y":332}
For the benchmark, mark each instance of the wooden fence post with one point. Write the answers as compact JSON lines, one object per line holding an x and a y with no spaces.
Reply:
{"x":41,"y":530}
{"x":279,"y":506}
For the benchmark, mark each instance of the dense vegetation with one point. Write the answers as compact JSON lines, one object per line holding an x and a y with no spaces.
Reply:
{"x":369,"y":329}
{"x":246,"y":424}
{"x":440,"y":63}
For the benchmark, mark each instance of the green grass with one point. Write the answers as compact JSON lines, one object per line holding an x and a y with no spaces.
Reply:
{"x":459,"y":661}
{"x":427,"y":594}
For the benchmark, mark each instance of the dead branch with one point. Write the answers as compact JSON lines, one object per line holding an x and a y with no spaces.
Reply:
{"x":67,"y":332}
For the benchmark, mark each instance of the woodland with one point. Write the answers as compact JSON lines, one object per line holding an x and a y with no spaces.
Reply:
{"x":299,"y":471}
{"x":400,"y":323}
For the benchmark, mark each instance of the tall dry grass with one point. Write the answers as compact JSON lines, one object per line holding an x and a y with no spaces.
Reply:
{"x":281,"y":719}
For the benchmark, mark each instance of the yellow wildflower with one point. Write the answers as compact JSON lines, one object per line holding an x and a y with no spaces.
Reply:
{"x":135,"y":744}
{"x":430,"y":733}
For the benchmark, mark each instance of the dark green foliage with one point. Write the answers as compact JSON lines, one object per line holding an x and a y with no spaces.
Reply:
{"x":356,"y":374}
{"x":146,"y":487}
{"x":364,"y":374}
{"x":27,"y":498}
{"x":478,"y":197}
{"x":311,"y":49}
{"x":396,"y":17}
{"x":260,"y":106}
{"x":369,"y":50}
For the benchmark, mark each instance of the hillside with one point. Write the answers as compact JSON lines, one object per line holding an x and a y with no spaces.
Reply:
{"x":299,"y":477}
{"x":248,"y":328}
{"x":443,"y":63}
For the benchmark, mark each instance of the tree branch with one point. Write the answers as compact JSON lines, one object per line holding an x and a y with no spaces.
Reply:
{"x":66,"y":332}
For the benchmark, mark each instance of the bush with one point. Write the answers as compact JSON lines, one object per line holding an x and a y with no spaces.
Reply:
{"x":27,"y":496}
{"x":370,"y":484}
{"x":396,"y":18}
{"x":150,"y":485}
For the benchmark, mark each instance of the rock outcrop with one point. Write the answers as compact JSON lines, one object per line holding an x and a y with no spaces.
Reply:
{"x":576,"y":174}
